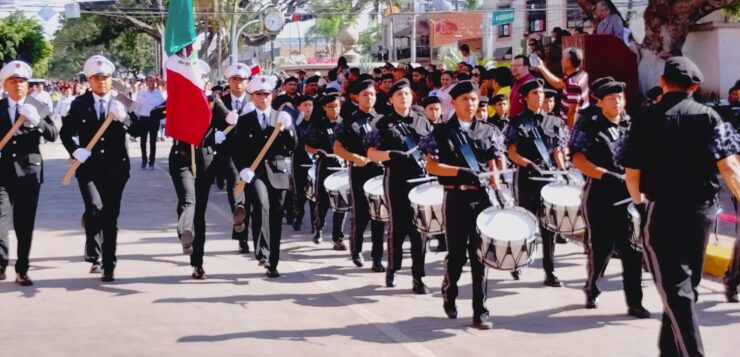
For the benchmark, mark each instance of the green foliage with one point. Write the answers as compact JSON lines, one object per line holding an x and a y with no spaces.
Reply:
{"x":733,"y":11}
{"x":369,"y":37}
{"x":23,"y":38}
{"x":450,"y":56}
{"x":473,"y":4}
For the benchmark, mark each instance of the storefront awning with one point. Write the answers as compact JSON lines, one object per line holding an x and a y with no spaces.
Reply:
{"x":422,"y":29}
{"x":447,"y":27}
{"x":502,"y":54}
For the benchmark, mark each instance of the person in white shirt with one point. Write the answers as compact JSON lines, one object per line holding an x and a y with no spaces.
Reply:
{"x":64,"y":103}
{"x":147,"y":100}
{"x":467,"y":56}
{"x":42,"y":96}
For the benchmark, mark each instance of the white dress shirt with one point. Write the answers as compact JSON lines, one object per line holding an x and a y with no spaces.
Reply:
{"x":14,"y":107}
{"x":106,"y":102}
{"x":146,"y":101}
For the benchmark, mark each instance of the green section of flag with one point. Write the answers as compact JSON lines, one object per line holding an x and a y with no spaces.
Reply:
{"x":180,"y":29}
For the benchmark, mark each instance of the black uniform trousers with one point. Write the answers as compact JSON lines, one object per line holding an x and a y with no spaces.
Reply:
{"x":267,"y":218}
{"x":361,"y":212}
{"x":322,"y":200}
{"x":462,"y":208}
{"x":150,"y":127}
{"x":401,"y":224}
{"x":192,"y":201}
{"x":608,"y":229}
{"x":102,"y":198}
{"x":528,"y":195}
{"x":732,"y":276}
{"x":300,"y":180}
{"x":20,"y":199}
{"x":675,"y":240}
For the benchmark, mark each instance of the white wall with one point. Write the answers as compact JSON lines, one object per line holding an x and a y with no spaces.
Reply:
{"x":717,"y":55}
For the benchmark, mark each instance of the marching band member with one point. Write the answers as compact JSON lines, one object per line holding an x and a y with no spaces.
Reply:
{"x":104,"y":171}
{"x":394,"y":142}
{"x":349,"y":145}
{"x":534,"y":139}
{"x":304,"y":104}
{"x":464,"y":197}
{"x":592,"y":143}
{"x":21,"y":167}
{"x":266,"y":185}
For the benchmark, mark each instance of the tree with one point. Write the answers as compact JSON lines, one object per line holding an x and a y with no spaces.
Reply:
{"x":667,"y":23}
{"x":23,"y":38}
{"x":331,"y":17}
{"x":369,"y":37}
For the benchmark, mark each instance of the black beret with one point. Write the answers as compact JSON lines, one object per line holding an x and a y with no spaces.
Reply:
{"x":420,"y":70}
{"x":498,"y":98}
{"x":463,"y":88}
{"x":430,"y":100}
{"x":682,"y":70}
{"x":550,"y":93}
{"x":330,"y":90}
{"x":598,"y":82}
{"x":482,"y":102}
{"x":365,"y":76}
{"x":280,"y":100}
{"x":486,"y":75}
{"x":529,"y":85}
{"x":328,"y":98}
{"x":300,"y":99}
{"x":360,"y":86}
{"x":313,"y":79}
{"x":291,"y":79}
{"x":386,"y":76}
{"x":654,"y":92}
{"x":403,"y":83}
{"x":609,"y":88}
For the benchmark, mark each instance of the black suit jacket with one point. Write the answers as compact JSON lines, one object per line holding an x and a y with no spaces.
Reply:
{"x":109,"y":159}
{"x":249,"y":138}
{"x":21,"y":157}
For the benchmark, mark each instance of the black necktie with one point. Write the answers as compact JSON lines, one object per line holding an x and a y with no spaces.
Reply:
{"x":101,"y":111}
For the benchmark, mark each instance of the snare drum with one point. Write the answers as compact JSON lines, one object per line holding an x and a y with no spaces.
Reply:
{"x":561,"y":208}
{"x":508,"y":237}
{"x":337,"y":187}
{"x":375,"y":194}
{"x":426,"y":203}
{"x":310,"y":189}
{"x":633,"y":226}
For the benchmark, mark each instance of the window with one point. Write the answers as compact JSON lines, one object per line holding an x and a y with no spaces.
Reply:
{"x":575,"y":16}
{"x":504,"y":30}
{"x":536,"y":18}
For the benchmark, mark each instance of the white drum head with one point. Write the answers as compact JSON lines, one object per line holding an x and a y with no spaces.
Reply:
{"x":338,"y":181}
{"x":374,"y":186}
{"x":312,"y":172}
{"x":428,"y":194}
{"x":560,"y":194}
{"x":509,"y":224}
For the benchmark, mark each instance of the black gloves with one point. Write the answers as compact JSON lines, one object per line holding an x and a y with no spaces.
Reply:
{"x":612,"y":178}
{"x":535,"y":169}
{"x":397,"y":155}
{"x":466,"y":174}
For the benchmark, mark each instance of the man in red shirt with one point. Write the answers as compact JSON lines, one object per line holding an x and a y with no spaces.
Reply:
{"x":574,"y":84}
{"x":520,"y":72}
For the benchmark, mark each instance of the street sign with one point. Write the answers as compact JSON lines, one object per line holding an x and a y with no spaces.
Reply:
{"x":501,"y":17}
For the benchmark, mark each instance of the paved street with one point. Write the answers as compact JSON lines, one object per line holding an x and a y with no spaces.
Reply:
{"x":322,"y":304}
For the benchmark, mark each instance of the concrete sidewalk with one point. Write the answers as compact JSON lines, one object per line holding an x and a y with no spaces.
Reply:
{"x":322,"y":305}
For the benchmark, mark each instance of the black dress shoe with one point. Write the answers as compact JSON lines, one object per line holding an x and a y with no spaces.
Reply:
{"x":317,"y":237}
{"x":730,"y":293}
{"x":262,"y":261}
{"x":378,"y":266}
{"x":591,"y":302}
{"x":96,"y":268}
{"x":390,"y":279}
{"x":272,"y":273}
{"x":296,"y":225}
{"x":420,"y":288}
{"x":243,"y":246}
{"x":483,"y":323}
{"x":240,"y":214}
{"x":186,"y":239}
{"x":23,"y":279}
{"x":516,"y":274}
{"x":450,"y":310}
{"x":108,"y":277}
{"x":339,"y":245}
{"x":638,"y":312}
{"x":199,"y":273}
{"x":143,"y":165}
{"x":559,"y":239}
{"x":552,"y":280}
{"x":358,"y":260}
{"x":2,"y":273}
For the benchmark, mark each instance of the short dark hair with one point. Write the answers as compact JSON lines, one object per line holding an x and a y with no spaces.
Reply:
{"x":525,"y":59}
{"x":575,"y":56}
{"x":333,"y":74}
{"x":464,"y":48}
{"x":503,"y":77}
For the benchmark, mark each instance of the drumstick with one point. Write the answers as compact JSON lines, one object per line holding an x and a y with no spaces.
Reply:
{"x":337,"y":168}
{"x":555,"y":172}
{"x":548,"y":179}
{"x":413,"y":149}
{"x":626,"y":200}
{"x":493,"y":173}
{"x":68,"y":176}
{"x":11,"y":132}
{"x":422,"y":179}
{"x":239,"y":189}
{"x":307,"y":165}
{"x":325,"y":153}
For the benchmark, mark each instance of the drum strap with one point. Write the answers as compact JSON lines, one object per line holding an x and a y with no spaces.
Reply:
{"x":467,"y":151}
{"x":538,"y":143}
{"x":409,"y":140}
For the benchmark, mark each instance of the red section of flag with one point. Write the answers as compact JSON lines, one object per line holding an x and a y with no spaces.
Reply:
{"x":255,"y":69}
{"x":726,"y":217}
{"x":188,"y":114}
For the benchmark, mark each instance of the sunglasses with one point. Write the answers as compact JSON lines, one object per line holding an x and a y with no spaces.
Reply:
{"x":476,"y":74}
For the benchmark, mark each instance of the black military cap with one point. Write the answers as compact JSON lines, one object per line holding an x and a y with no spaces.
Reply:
{"x":291,"y":79}
{"x":598,"y":82}
{"x":529,"y":85}
{"x":279,"y":101}
{"x":328,"y":98}
{"x":681,"y":70}
{"x":498,"y":98}
{"x":329,"y":90}
{"x":609,"y":88}
{"x":313,"y":79}
{"x":403,"y":83}
{"x":365,"y":76}
{"x":430,"y":100}
{"x":550,"y":93}
{"x":463,"y":88}
{"x":654,"y":92}
{"x":420,"y":70}
{"x":486,"y":75}
{"x":482,"y":102}
{"x":300,"y":99}
{"x":360,"y":86}
{"x":386,"y":76}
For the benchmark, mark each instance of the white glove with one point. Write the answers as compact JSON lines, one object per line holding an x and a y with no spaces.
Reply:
{"x":81,"y":155}
{"x":31,"y":114}
{"x":247,"y":175}
{"x":232,"y":117}
{"x":285,"y":119}
{"x":220,"y":137}
{"x":248,"y":108}
{"x":119,"y":111}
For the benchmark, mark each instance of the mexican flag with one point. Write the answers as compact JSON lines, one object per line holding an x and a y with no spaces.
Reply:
{"x":188,"y":114}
